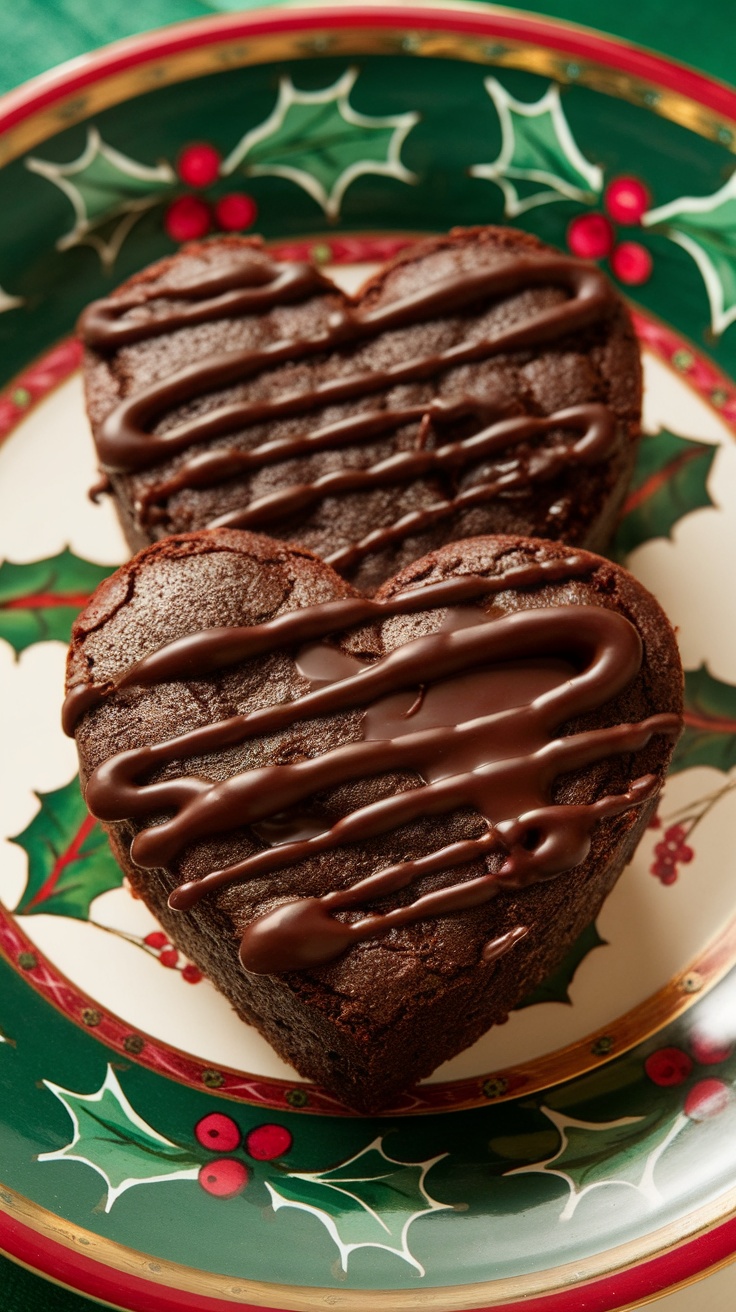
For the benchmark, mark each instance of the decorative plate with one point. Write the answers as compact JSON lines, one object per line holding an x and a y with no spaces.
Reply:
{"x":154,"y":1153}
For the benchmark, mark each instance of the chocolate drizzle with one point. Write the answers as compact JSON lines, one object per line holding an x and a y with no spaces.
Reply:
{"x":482,"y":734}
{"x":129,"y":440}
{"x":248,"y":287}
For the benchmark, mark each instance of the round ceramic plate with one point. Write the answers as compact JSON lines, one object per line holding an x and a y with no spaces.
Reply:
{"x":154,"y":1152}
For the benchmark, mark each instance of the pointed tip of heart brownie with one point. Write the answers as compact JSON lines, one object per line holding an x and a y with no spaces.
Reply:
{"x":353,"y":425}
{"x":206,"y":627}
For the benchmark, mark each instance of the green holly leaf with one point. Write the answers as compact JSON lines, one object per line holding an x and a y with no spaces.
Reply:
{"x":539,"y":161}
{"x":116,"y":1142}
{"x":108,"y":192}
{"x":555,"y":988}
{"x":670,"y":481}
{"x":317,"y":140}
{"x":597,"y":1154}
{"x":709,"y":737}
{"x":40,"y":600}
{"x":705,"y":226}
{"x":369,"y":1201}
{"x":69,"y":858}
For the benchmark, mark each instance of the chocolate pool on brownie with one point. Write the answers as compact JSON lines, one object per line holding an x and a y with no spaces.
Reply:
{"x":376,"y":824}
{"x":481,"y":382}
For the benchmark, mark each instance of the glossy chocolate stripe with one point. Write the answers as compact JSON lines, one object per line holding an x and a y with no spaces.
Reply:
{"x":210,"y":650}
{"x":598,"y":432}
{"x":113,"y":794}
{"x":125,"y":443}
{"x":247,"y":288}
{"x":501,"y":759}
{"x":210,"y":467}
{"x":472,"y":788}
{"x":305,"y":933}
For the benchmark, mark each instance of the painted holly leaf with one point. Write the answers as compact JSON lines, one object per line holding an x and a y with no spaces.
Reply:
{"x":539,"y":161}
{"x":8,"y":302}
{"x":369,"y":1201}
{"x":606,"y":1154}
{"x":705,"y":226}
{"x":555,"y":988}
{"x":116,"y":1142}
{"x":69,"y":858}
{"x":670,"y":480}
{"x":40,"y":600}
{"x":317,"y":140}
{"x":108,"y":192}
{"x":709,"y":737}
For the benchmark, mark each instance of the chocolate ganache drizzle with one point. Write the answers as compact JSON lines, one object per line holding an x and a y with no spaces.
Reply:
{"x":128,"y":440}
{"x":474,"y":710}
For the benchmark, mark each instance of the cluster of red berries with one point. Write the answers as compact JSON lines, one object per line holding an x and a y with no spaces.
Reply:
{"x":226,"y":1176}
{"x":593,"y":236}
{"x":190,"y":217}
{"x":168,"y":955}
{"x":670,"y":851}
{"x":668,"y":1067}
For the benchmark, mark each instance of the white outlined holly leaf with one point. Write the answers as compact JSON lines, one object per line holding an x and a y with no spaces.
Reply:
{"x":108,"y":192}
{"x":539,"y":161}
{"x":597,"y":1154}
{"x":116,"y":1142}
{"x":369,"y":1201}
{"x":705,"y":227}
{"x":317,"y":140}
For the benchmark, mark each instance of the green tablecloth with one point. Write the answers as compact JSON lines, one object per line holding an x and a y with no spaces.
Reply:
{"x":37,"y":34}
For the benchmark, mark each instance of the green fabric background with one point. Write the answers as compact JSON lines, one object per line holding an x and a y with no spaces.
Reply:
{"x":37,"y":34}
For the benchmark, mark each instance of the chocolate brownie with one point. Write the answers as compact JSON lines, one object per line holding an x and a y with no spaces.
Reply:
{"x":375,"y":825}
{"x":481,"y":382}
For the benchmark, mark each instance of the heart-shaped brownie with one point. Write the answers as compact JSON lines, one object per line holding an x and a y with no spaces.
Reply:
{"x":375,"y":824}
{"x":480,"y":383}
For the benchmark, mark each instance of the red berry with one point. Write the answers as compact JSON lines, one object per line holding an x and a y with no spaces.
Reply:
{"x":668,"y":1066}
{"x":218,"y":1132}
{"x":169,"y":957}
{"x":187,"y":218}
{"x":268,"y":1141}
{"x":626,"y":199}
{"x":156,"y":940}
{"x":655,"y":822}
{"x":192,"y":974}
{"x":590,"y":236}
{"x":669,"y":878}
{"x":235,"y":212}
{"x":662,"y":868}
{"x":707,"y":1098}
{"x":675,"y":833}
{"x":224,"y":1178}
{"x":632,"y":263}
{"x":685,"y":853}
{"x":663,"y":852}
{"x":199,"y":164}
{"x":708,"y":1049}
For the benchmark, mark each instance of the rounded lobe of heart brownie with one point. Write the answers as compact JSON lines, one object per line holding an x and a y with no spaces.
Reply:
{"x":228,"y":577}
{"x":598,"y":364}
